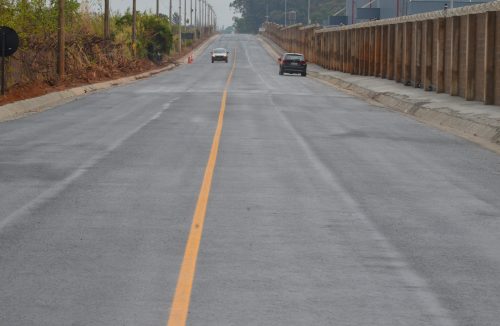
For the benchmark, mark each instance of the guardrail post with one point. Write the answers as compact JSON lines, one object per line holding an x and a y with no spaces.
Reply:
{"x":441,"y":39}
{"x":470,"y":54}
{"x":489,"y":57}
{"x":427,"y":41}
{"x":391,"y":49}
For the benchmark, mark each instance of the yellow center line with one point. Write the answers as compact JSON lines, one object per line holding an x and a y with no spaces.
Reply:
{"x":182,"y":297}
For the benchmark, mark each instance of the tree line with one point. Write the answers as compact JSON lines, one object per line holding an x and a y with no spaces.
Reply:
{"x":255,"y":12}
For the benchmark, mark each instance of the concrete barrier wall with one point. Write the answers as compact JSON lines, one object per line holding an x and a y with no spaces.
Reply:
{"x":451,"y":51}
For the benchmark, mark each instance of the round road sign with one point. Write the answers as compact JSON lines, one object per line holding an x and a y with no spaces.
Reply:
{"x":11,"y":41}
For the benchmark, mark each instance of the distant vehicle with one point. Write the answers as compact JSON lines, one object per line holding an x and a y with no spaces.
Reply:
{"x":292,"y":63}
{"x":220,"y":54}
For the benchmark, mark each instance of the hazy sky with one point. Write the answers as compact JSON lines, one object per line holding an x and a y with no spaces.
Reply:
{"x":221,"y":7}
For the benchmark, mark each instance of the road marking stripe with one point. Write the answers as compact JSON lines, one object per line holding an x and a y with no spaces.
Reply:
{"x":182,"y":297}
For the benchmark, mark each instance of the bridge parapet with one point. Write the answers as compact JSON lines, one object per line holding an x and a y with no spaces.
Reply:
{"x":455,"y":51}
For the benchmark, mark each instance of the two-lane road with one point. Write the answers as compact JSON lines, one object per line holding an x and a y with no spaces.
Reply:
{"x":310,"y":207}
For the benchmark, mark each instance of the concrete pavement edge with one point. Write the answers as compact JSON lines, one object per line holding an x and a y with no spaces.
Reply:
{"x":45,"y":102}
{"x":479,"y":128}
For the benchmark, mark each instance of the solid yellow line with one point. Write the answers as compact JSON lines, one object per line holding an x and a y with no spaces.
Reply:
{"x":180,"y":304}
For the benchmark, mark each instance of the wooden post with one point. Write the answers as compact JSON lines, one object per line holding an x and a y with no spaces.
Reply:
{"x":399,"y":53}
{"x":441,"y":37}
{"x":330,"y":50}
{"x":366,"y":51}
{"x":383,"y":56}
{"x":370,"y":51}
{"x":361,"y":51}
{"x":354,"y":51}
{"x":391,"y":48}
{"x":349,"y":42}
{"x":470,"y":54}
{"x":427,"y":35}
{"x":343,"y":51}
{"x":338,"y":50}
{"x":416,"y":53}
{"x":454,"y":55}
{"x":378,"y":50}
{"x":489,"y":58}
{"x":407,"y":38}
{"x":61,"y":40}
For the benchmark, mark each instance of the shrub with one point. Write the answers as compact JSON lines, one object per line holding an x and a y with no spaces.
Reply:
{"x":156,"y":36}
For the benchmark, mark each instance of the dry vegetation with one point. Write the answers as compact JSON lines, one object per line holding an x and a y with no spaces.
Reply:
{"x":89,"y":57}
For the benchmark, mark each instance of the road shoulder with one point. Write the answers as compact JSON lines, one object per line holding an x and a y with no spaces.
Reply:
{"x":42,"y":103}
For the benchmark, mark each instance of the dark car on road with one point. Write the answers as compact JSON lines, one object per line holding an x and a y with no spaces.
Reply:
{"x":220,"y":54}
{"x":293,"y":63}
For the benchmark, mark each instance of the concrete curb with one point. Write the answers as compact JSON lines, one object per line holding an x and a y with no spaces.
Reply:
{"x":42,"y":103}
{"x":478,"y":128}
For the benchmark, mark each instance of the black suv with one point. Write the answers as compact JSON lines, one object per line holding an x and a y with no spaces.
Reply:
{"x":293,"y":63}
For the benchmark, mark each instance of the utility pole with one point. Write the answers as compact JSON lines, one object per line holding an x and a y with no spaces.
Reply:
{"x":157,"y":7}
{"x":134,"y":24}
{"x":267,"y":11}
{"x":201,"y":16}
{"x":170,"y":12}
{"x":106,"y":20}
{"x":308,"y":12}
{"x":195,"y":20}
{"x":285,"y":13}
{"x":180,"y":21}
{"x":61,"y":41}
{"x":209,"y":18}
{"x":185,"y":14}
{"x":191,"y":13}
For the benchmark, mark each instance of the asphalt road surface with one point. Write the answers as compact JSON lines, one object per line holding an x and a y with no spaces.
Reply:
{"x":321,"y":209}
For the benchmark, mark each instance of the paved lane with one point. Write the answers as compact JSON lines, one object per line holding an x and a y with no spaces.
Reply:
{"x":323,"y":210}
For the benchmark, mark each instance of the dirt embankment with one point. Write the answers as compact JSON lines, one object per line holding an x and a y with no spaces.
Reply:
{"x":90,"y":59}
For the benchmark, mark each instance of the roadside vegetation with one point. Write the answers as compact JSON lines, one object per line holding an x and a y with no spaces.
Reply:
{"x":89,"y":56}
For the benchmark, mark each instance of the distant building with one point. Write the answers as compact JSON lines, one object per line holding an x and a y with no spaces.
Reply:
{"x":363,"y":10}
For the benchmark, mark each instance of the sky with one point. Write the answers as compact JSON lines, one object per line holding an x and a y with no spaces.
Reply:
{"x":221,"y":7}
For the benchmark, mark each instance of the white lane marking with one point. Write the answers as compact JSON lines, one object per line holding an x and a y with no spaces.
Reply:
{"x":421,"y":287}
{"x":58,"y":187}
{"x":245,"y":48}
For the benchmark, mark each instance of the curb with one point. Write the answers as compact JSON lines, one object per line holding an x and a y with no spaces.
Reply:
{"x":45,"y":102}
{"x":481,"y":130}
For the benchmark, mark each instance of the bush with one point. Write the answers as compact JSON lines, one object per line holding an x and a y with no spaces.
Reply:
{"x":156,"y":36}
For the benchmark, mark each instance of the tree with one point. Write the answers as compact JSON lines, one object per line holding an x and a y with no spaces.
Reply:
{"x":253,"y":12}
